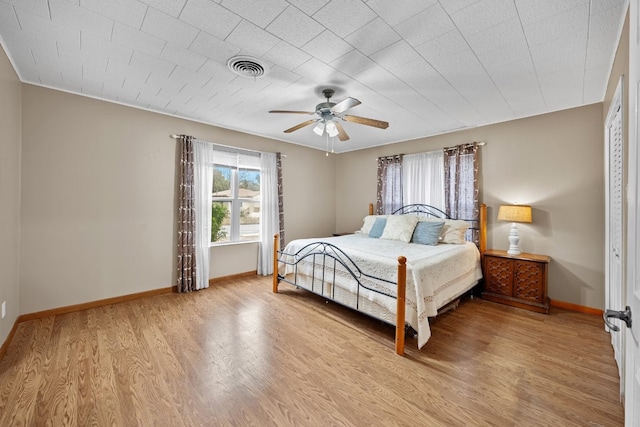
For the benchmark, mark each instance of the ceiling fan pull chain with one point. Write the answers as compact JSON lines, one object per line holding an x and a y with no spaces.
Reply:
{"x":326,"y":154}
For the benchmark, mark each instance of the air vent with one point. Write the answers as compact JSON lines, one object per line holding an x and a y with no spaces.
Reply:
{"x":247,"y":66}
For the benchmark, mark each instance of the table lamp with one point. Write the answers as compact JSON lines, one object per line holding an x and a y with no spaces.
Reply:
{"x":513,"y":214}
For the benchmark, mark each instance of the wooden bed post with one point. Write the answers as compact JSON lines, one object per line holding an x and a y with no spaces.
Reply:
{"x":275,"y":263}
{"x":400,"y":318}
{"x":483,"y":228}
{"x":370,"y":208}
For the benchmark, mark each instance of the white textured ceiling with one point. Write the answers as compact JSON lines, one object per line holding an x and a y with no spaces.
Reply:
{"x":425,"y":66}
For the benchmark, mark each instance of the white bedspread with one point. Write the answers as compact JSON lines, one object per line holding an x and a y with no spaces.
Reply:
{"x":435,"y":274}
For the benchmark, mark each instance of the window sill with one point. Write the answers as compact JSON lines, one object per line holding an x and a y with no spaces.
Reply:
{"x":243,"y":242}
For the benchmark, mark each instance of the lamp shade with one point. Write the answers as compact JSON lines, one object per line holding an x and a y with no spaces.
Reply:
{"x":331,"y":128}
{"x":319,"y":128}
{"x":514,"y":213}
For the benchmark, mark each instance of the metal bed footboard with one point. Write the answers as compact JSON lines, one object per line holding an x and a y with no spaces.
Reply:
{"x":324,"y":260}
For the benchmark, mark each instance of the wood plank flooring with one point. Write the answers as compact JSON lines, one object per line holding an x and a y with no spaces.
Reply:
{"x":237,"y":354}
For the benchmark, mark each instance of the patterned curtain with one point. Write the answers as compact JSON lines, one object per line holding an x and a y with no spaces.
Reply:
{"x":280,"y":198}
{"x":389,"y":197}
{"x":186,"y":218}
{"x":461,"y":186}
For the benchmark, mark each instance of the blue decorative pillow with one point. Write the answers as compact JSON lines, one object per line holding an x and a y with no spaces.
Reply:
{"x":378,"y":227}
{"x":427,"y":233}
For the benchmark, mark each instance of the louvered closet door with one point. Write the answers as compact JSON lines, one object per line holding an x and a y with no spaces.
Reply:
{"x":615,"y":219}
{"x":615,"y":193}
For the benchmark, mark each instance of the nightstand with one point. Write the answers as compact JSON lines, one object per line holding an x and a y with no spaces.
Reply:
{"x":516,"y":280}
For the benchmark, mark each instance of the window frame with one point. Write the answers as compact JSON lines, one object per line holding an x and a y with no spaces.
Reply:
{"x":235,"y":202}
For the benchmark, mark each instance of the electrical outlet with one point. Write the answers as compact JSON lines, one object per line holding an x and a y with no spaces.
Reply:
{"x":4,"y":309}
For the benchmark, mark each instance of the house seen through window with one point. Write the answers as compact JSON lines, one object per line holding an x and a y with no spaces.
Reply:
{"x":235,"y":210}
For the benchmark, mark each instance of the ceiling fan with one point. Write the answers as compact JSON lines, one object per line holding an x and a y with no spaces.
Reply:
{"x":329,"y":114}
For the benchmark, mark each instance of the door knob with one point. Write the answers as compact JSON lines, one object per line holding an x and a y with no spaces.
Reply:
{"x":625,"y":316}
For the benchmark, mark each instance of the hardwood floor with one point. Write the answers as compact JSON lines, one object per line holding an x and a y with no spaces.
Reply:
{"x":237,"y":354}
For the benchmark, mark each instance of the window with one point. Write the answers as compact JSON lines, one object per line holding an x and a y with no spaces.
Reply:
{"x":235,"y":207}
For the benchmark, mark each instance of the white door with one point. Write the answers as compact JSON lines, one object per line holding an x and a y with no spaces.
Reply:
{"x":632,"y":338}
{"x":614,"y":291}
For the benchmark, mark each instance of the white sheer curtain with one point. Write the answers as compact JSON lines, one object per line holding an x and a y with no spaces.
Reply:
{"x":203,"y":182}
{"x":269,"y":212}
{"x":423,"y":179}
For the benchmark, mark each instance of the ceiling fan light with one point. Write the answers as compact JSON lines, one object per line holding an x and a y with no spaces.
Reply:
{"x":319,"y":128}
{"x":332,"y":130}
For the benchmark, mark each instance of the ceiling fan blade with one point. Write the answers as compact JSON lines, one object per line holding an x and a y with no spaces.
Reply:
{"x":292,"y":112}
{"x":342,"y":135}
{"x":345,"y":105}
{"x":369,"y":122}
{"x":301,"y":125}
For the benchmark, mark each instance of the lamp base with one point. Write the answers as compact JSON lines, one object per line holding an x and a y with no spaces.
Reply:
{"x":514,"y":239}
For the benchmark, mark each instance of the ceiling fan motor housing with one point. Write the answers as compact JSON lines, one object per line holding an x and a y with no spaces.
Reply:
{"x":324,"y":107}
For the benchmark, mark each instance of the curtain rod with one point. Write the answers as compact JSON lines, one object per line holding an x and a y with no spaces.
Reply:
{"x":176,"y":136}
{"x":434,"y":151}
{"x":466,"y":145}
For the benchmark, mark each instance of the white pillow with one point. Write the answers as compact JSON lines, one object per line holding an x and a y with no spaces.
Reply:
{"x":453,"y":231}
{"x":399,"y":227}
{"x":429,"y":219}
{"x":367,"y":223}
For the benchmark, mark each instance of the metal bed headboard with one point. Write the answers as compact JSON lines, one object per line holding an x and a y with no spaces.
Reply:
{"x":475,"y":233}
{"x":419,"y":209}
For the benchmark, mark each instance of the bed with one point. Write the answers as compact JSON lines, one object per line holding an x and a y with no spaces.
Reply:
{"x":400,"y":268}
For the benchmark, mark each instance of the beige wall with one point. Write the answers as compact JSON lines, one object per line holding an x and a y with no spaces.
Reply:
{"x":98,"y":198}
{"x":553,"y":162}
{"x":10,"y":90}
